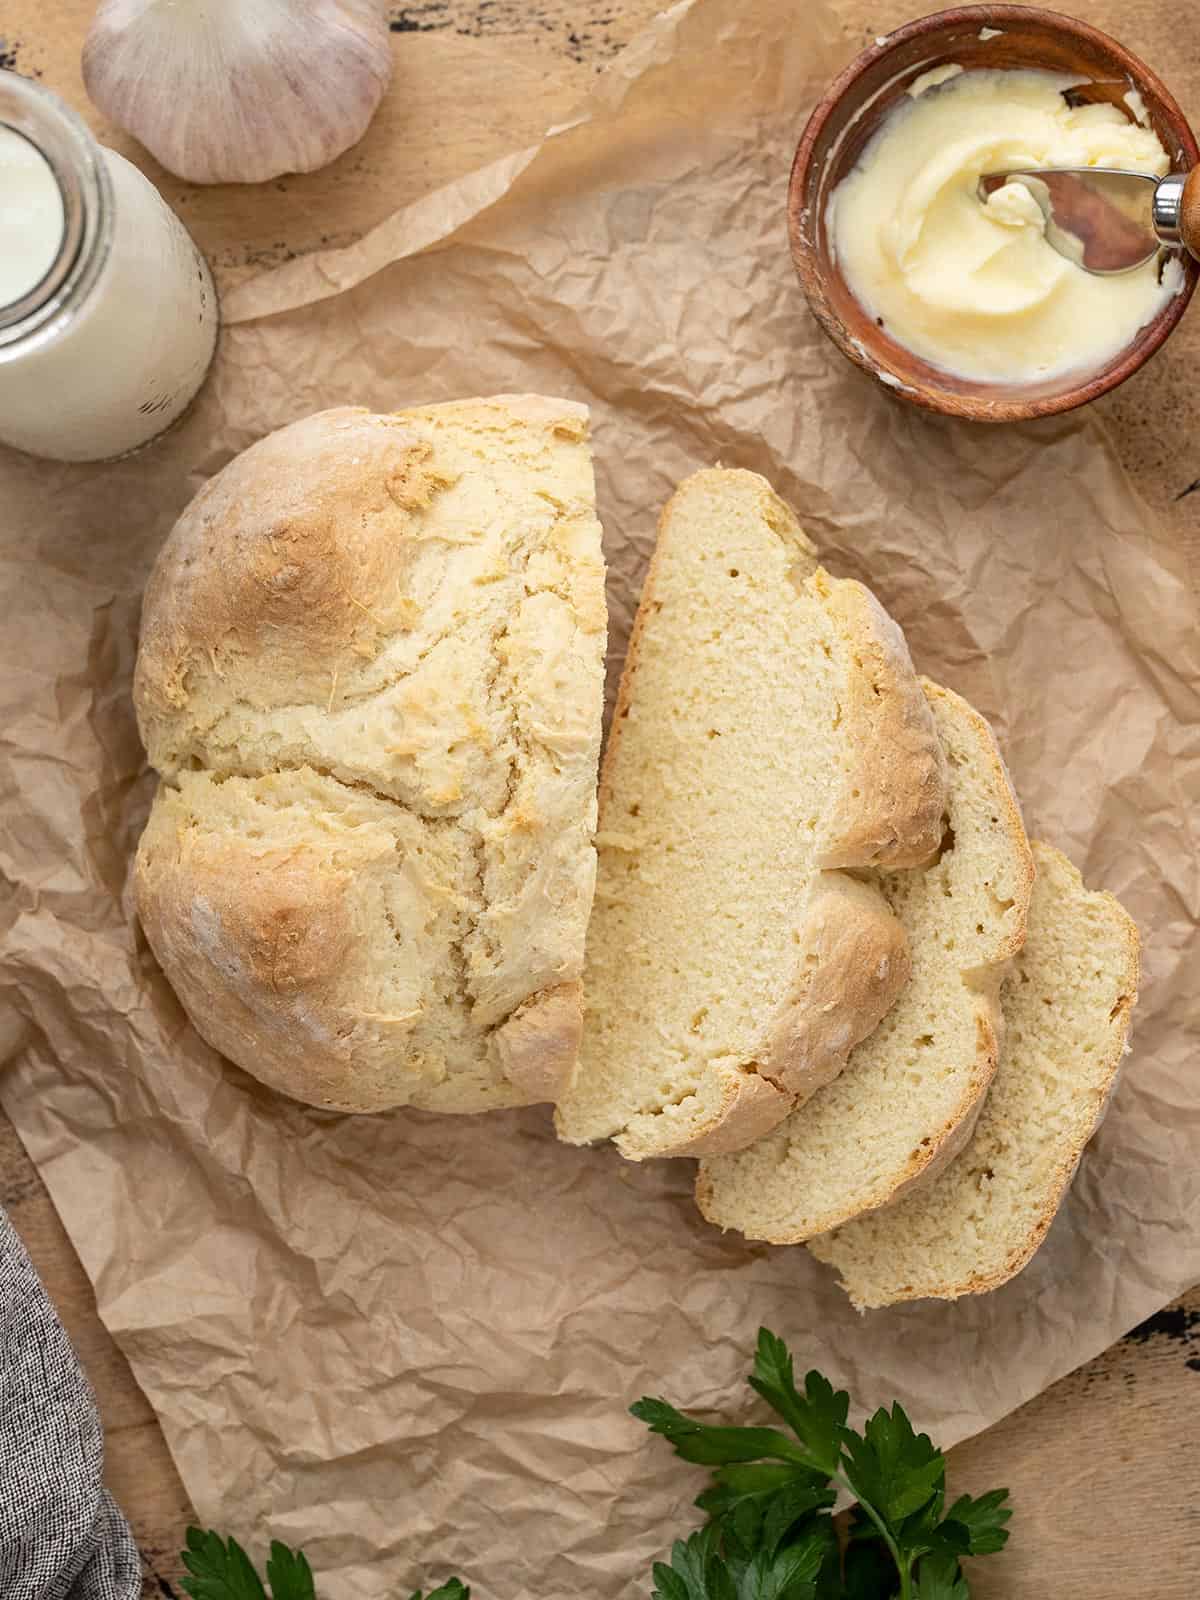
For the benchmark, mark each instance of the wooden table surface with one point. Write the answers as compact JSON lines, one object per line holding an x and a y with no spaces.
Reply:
{"x":1101,"y":1466}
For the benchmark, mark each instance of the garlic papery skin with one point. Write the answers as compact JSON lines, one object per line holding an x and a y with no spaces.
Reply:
{"x":238,"y":91}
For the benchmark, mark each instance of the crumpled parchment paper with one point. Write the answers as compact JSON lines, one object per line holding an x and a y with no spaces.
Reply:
{"x":409,"y":1342}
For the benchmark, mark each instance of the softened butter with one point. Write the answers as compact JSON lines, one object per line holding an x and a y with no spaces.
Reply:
{"x":971,"y":285}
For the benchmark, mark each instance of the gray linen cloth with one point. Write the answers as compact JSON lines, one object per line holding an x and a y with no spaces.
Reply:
{"x":61,"y":1536}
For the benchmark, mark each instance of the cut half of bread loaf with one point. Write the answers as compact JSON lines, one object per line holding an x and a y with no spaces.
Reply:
{"x":371,"y":679}
{"x":769,"y":727}
{"x":1067,"y":1005}
{"x":908,"y":1099}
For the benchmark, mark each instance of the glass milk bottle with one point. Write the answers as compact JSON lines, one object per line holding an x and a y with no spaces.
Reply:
{"x":108,"y":317}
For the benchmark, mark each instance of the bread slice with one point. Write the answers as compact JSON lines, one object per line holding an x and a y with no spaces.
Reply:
{"x":371,"y":678}
{"x":909,"y":1097}
{"x":1067,"y":1005}
{"x":769,"y":726}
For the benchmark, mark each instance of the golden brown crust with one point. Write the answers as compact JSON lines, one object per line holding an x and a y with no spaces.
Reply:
{"x":856,"y":960}
{"x":889,"y":813}
{"x":749,"y":1106}
{"x":1014,"y":826}
{"x":538,"y":1044}
{"x":256,"y":942}
{"x":272,"y":556}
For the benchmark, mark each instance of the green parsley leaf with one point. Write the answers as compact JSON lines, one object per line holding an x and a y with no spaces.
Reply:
{"x":984,"y":1519}
{"x":892,"y":1468}
{"x":669,"y":1584}
{"x":740,"y":1535}
{"x":711,"y":1446}
{"x":940,"y":1578}
{"x":696,"y":1571}
{"x":792,"y":1507}
{"x":970,"y":1527}
{"x":821,"y":1535}
{"x":706,"y":1568}
{"x":818,"y":1417}
{"x":824,"y":1555}
{"x":218,"y":1569}
{"x":925,"y":1530}
{"x":757,"y":1480}
{"x":783,"y":1494}
{"x":289,"y":1574}
{"x":789,"y":1574}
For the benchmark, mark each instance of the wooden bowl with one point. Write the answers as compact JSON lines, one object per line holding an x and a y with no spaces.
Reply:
{"x":1016,"y":36}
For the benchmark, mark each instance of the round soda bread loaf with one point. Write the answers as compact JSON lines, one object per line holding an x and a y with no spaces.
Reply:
{"x":371,"y":679}
{"x":769,"y":728}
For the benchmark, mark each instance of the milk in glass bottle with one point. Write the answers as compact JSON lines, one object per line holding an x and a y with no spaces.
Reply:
{"x":108,"y":318}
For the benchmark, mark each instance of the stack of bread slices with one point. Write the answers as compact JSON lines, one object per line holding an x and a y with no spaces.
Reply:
{"x":823,"y":957}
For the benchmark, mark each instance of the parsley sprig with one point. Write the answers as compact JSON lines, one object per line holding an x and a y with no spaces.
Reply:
{"x":219,"y":1569}
{"x":770,"y":1533}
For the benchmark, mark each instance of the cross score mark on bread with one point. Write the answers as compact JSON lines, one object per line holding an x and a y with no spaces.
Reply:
{"x":371,"y":678}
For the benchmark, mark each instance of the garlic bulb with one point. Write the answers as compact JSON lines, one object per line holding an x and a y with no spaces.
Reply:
{"x":236,"y":91}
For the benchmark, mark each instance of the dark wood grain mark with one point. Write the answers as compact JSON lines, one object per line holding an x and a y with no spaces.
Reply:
{"x":592,"y":38}
{"x":426,"y":17}
{"x":1178,"y":1326}
{"x":14,"y":58}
